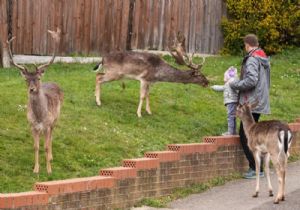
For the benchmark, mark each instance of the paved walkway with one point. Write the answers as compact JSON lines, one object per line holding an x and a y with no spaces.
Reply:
{"x":236,"y":195}
{"x":29,"y":59}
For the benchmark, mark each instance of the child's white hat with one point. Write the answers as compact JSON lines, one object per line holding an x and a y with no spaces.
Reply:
{"x":231,"y":72}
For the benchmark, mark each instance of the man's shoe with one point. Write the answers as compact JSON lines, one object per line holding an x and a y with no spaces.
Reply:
{"x":248,"y":171}
{"x":251,"y":174}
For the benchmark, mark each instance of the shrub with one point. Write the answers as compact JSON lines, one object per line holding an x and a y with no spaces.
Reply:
{"x":275,"y":22}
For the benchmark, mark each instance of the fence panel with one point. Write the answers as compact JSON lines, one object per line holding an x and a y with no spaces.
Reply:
{"x":98,"y":26}
{"x":156,"y":23}
{"x":88,"y":26}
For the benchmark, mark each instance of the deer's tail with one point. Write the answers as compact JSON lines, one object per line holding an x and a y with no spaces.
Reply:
{"x":285,"y":140}
{"x":98,"y":67}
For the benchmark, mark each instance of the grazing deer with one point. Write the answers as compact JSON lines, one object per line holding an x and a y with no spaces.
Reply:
{"x":270,"y":139}
{"x":147,"y":68}
{"x":44,"y":103}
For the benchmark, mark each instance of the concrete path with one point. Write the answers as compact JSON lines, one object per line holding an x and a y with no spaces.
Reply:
{"x":29,"y":59}
{"x":236,"y":195}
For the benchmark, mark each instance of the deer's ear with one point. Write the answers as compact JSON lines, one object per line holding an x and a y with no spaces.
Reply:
{"x":254,"y":104}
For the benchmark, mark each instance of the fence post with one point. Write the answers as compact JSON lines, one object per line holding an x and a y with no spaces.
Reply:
{"x":130,"y":20}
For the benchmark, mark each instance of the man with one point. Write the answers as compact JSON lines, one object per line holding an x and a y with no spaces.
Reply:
{"x":253,"y":85}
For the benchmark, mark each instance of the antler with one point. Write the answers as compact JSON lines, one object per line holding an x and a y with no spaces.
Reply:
{"x":180,"y":55}
{"x":56,"y":36}
{"x":11,"y":55}
{"x":178,"y":49}
{"x":193,"y":65}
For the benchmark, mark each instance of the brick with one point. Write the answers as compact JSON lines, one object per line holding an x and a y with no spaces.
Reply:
{"x":294,"y":126}
{"x":15,"y":200}
{"x":223,"y":140}
{"x":141,"y":163}
{"x":164,"y":156}
{"x":192,"y":148}
{"x":6,"y":201}
{"x":75,"y":185}
{"x":119,"y":172}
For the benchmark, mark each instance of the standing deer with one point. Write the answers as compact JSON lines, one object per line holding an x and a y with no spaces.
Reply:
{"x":147,"y":68}
{"x":44,"y":104}
{"x":270,"y":139}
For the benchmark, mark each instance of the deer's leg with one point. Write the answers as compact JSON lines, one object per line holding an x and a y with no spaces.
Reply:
{"x":281,"y":170}
{"x":275,"y":162}
{"x":143,"y":93}
{"x":280,"y":180}
{"x":50,"y":145}
{"x":283,"y":184}
{"x":98,"y":89}
{"x":267,"y":168}
{"x":102,"y":78}
{"x":257,"y":168}
{"x":148,"y":110}
{"x":36,"y":137}
{"x":47,"y":149}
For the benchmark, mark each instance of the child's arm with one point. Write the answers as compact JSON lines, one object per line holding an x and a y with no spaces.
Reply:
{"x":218,"y":88}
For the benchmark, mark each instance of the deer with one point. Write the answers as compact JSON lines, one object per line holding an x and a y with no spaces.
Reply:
{"x":44,"y":103}
{"x":270,"y":140}
{"x":147,"y":68}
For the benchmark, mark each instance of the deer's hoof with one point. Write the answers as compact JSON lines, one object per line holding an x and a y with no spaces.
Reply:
{"x":276,"y":201}
{"x":98,"y":103}
{"x":271,"y":193}
{"x":283,"y":198}
{"x":255,"y":195}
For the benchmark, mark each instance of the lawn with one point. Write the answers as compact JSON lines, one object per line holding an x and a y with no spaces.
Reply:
{"x":88,"y":138}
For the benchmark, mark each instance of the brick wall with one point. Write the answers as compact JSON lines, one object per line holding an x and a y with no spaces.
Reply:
{"x":157,"y":174}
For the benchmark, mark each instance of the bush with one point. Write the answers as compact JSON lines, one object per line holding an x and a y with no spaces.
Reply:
{"x":275,"y":22}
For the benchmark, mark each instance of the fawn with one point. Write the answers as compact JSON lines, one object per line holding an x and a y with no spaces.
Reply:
{"x":270,"y":139}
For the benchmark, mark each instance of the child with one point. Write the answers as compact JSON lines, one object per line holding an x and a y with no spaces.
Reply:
{"x":230,"y":99}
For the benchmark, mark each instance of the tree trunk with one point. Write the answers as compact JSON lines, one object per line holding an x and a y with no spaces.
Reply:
{"x":5,"y":61}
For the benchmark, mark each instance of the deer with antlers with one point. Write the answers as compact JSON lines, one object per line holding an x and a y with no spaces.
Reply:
{"x":44,"y":103}
{"x":271,"y":140}
{"x":147,"y":68}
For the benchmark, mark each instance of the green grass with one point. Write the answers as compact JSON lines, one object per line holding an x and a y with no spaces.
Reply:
{"x":88,"y":138}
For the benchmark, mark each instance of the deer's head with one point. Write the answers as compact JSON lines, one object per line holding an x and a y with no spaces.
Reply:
{"x":243,"y":111}
{"x":198,"y":78}
{"x":182,"y":58}
{"x":33,"y":78}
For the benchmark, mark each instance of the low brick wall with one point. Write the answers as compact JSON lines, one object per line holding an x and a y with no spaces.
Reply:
{"x":157,"y":174}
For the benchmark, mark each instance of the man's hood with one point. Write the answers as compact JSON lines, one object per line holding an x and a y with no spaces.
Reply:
{"x":261,"y":55}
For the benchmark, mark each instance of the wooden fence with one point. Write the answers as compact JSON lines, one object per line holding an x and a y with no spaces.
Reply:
{"x":97,"y":26}
{"x":156,"y":23}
